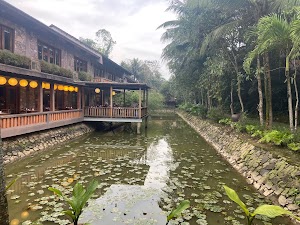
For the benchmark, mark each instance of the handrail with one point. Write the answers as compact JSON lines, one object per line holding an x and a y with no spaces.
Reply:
{"x":19,"y":120}
{"x":115,"y":112}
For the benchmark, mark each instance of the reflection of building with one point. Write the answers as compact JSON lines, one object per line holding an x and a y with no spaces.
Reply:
{"x":48,"y":79}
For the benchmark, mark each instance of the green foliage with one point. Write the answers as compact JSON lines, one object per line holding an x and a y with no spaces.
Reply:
{"x":54,"y":69}
{"x":215,"y":114}
{"x":271,"y":211}
{"x":155,"y":101}
{"x":9,"y":58}
{"x":78,"y":200}
{"x":239,"y":126}
{"x":84,"y":76}
{"x":277,"y":137}
{"x":131,"y":97}
{"x":176,"y":212}
{"x":225,"y":121}
{"x":11,"y":183}
{"x":250,"y":129}
{"x":294,"y":146}
{"x":194,"y":109}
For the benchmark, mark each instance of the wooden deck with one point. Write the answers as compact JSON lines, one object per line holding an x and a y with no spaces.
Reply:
{"x":18,"y":124}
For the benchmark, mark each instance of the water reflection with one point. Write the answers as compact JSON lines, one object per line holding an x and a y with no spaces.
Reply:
{"x":134,"y":204}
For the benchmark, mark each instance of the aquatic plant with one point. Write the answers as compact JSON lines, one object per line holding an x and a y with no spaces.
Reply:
{"x":176,"y":212}
{"x":270,"y":211}
{"x":78,"y":200}
{"x":11,"y":183}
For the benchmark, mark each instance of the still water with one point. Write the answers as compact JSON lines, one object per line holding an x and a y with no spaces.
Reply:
{"x":141,"y":179}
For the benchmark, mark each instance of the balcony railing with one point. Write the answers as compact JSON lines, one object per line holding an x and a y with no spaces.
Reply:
{"x":16,"y":124}
{"x":115,"y":112}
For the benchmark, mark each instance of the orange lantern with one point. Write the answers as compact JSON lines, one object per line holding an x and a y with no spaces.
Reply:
{"x":60,"y":87}
{"x":33,"y":84}
{"x":71,"y":88}
{"x":97,"y":90}
{"x":13,"y":81}
{"x":76,"y":89}
{"x":113,"y":93}
{"x":23,"y":83}
{"x":47,"y":86}
{"x":55,"y":86}
{"x":3,"y":80}
{"x":66,"y":88}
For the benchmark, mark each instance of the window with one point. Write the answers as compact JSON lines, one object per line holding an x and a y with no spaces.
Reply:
{"x":98,"y":72}
{"x":80,"y":65}
{"x":6,"y":38}
{"x":49,"y":54}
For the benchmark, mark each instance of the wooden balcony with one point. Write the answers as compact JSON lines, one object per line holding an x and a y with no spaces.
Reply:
{"x":17,"y":124}
{"x":115,"y":114}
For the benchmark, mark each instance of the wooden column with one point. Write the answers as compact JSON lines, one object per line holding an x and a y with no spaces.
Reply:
{"x":81,"y":89}
{"x":111,"y":102}
{"x":124,"y":98}
{"x":147,"y":98}
{"x":144,"y":97}
{"x":52,"y":97}
{"x":40,"y":97}
{"x":140,"y":103}
{"x":79,"y":99}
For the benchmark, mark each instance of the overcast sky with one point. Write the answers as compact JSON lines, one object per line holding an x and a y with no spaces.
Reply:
{"x":132,"y":23}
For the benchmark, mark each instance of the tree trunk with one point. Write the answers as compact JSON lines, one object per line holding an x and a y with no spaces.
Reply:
{"x":297,"y":101}
{"x":4,"y":219}
{"x":289,"y":93}
{"x":268,"y":91}
{"x":239,"y":93}
{"x":231,"y":99}
{"x":260,"y":94}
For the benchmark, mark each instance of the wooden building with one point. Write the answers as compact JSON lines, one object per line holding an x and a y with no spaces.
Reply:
{"x":49,"y":79}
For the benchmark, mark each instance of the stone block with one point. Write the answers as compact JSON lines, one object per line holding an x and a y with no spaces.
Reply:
{"x":282,"y":200}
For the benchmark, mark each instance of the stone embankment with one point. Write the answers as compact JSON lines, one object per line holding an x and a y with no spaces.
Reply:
{"x":18,"y":147}
{"x":271,"y":175}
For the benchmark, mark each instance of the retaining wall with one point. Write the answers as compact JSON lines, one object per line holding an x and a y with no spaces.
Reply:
{"x":271,"y":175}
{"x":21,"y":146}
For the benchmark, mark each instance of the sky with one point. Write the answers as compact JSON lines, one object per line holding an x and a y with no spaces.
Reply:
{"x":132,"y":23}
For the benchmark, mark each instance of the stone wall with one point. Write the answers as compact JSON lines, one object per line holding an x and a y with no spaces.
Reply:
{"x":18,"y":147}
{"x":271,"y":175}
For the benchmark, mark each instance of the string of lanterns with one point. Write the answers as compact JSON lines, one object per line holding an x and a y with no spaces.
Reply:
{"x":33,"y":84}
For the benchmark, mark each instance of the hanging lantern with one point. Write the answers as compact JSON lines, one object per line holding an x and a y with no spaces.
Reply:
{"x":13,"y":81}
{"x":113,"y":93}
{"x":60,"y":87}
{"x":66,"y":88}
{"x":23,"y":83}
{"x":55,"y":87}
{"x":3,"y":80}
{"x":71,"y":88}
{"x":47,"y":86}
{"x":76,"y":89}
{"x":97,"y":90}
{"x":33,"y":84}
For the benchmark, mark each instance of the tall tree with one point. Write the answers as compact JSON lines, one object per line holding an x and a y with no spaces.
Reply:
{"x":103,"y":42}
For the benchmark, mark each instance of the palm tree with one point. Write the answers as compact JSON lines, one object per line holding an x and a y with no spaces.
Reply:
{"x":278,"y":32}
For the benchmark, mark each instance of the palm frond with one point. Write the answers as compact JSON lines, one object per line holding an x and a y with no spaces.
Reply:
{"x":216,"y":34}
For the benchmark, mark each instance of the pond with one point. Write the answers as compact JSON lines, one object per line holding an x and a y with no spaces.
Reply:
{"x":142,"y":177}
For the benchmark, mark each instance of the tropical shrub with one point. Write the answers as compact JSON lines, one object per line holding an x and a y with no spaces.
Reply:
{"x":271,"y":211}
{"x":277,"y":137}
{"x":225,"y":121}
{"x":84,"y":76}
{"x":54,"y":69}
{"x":294,"y":146}
{"x":78,"y":200}
{"x":215,"y":114}
{"x":9,"y":58}
{"x":155,"y":100}
{"x":177,"y":212}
